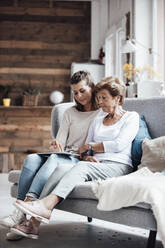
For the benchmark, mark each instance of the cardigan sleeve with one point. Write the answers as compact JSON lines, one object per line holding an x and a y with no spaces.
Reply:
{"x":63,"y":131}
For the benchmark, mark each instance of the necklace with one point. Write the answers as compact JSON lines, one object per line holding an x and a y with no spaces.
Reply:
{"x":112,"y":118}
{"x":115,"y":115}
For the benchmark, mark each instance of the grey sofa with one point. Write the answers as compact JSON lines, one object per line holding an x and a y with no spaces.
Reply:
{"x":82,"y":200}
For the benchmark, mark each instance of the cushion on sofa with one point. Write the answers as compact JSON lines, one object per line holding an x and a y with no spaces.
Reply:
{"x":81,"y":191}
{"x":136,"y":150}
{"x":153,"y":154}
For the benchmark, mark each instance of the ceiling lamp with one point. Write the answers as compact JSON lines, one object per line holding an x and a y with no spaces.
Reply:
{"x":128,"y":47}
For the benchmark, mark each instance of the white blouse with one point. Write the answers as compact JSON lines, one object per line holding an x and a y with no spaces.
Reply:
{"x":117,"y":138}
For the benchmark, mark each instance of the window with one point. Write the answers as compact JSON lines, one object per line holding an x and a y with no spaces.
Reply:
{"x":113,"y":55}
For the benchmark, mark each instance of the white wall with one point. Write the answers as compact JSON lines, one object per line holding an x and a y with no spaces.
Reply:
{"x":99,"y":26}
{"x":160,"y":38}
{"x":143,"y":8}
{"x":117,"y":10}
{"x":107,"y":17}
{"x":142,"y":30}
{"x":105,"y":14}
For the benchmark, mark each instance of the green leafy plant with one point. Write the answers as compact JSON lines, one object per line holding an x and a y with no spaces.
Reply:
{"x":31,"y":91}
{"x":5,"y":91}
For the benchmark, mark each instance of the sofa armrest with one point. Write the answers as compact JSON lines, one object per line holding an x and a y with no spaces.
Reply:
{"x":13,"y":176}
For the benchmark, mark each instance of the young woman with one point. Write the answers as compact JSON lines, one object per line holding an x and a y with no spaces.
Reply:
{"x":109,"y":139}
{"x":37,"y":168}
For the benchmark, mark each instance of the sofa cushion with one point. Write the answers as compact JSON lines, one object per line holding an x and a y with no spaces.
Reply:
{"x":82,"y":191}
{"x":153,"y":154}
{"x":136,"y":150}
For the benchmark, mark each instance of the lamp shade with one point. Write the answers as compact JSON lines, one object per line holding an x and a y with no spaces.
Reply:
{"x":128,"y":47}
{"x":56,"y":97}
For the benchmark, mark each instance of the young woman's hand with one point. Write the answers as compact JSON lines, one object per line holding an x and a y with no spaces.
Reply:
{"x":56,"y":146}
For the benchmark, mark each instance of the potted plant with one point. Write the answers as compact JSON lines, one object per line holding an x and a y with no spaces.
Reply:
{"x":5,"y":91}
{"x":30,"y":96}
{"x":131,"y":75}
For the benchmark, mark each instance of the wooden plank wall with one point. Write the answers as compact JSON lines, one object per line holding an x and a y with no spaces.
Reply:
{"x":39,"y":39}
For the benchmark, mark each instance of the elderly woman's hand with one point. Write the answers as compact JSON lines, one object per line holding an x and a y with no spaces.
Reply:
{"x":56,"y":146}
{"x":90,"y":159}
{"x":83,"y":149}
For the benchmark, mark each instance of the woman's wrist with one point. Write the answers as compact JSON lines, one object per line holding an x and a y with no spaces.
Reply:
{"x":96,"y":147}
{"x":90,"y":149}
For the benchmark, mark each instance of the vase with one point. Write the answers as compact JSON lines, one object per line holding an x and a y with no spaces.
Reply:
{"x":6,"y":102}
{"x":131,"y":90}
{"x":30,"y":100}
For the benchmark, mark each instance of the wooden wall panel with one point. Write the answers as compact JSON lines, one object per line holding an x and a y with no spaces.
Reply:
{"x":46,"y":83}
{"x":61,"y":48}
{"x":56,"y":32}
{"x":55,"y":11}
{"x":24,"y":130}
{"x":39,"y":40}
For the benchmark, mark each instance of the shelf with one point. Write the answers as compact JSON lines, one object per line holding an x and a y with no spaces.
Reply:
{"x":27,"y":107}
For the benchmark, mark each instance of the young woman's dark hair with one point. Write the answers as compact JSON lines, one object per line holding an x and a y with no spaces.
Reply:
{"x":84,"y":76}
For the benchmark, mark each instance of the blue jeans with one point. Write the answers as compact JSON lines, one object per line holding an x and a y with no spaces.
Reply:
{"x":37,"y":168}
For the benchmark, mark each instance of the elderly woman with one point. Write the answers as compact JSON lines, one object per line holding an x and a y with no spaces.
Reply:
{"x":107,"y":153}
